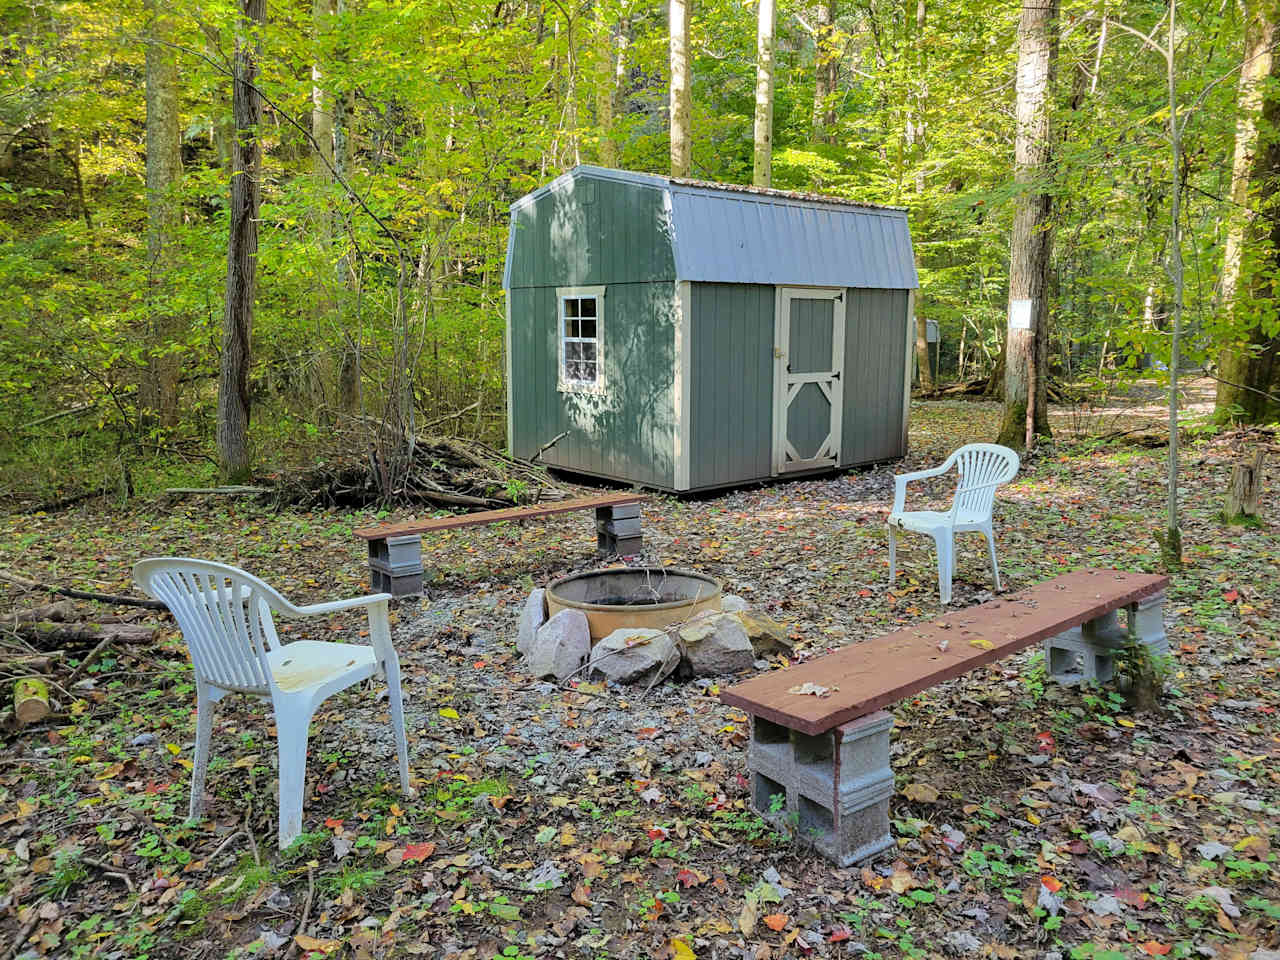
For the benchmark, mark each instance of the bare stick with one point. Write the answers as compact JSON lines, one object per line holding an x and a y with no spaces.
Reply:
{"x":28,"y":584}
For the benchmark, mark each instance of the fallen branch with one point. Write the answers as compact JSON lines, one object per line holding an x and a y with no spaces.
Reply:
{"x":231,"y":491}
{"x":93,"y":654}
{"x":28,"y":584}
{"x":549,"y":444}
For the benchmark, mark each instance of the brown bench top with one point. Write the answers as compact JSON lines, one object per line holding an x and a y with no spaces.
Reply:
{"x":410,"y":527}
{"x":863,"y":677}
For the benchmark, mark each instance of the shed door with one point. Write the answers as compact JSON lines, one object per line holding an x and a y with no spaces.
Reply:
{"x":807,"y":388}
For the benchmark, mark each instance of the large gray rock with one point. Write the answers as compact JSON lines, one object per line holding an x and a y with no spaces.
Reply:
{"x":532,"y":617}
{"x":768,"y":636}
{"x":716,"y":645}
{"x":560,"y":646}
{"x":633,"y":654}
{"x":732,"y":603}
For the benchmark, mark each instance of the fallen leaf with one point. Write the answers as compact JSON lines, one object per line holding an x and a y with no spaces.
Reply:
{"x":1153,"y":949}
{"x":680,"y":951}
{"x":776,"y":921}
{"x":449,"y":713}
{"x":921,"y":793}
{"x":311,"y":943}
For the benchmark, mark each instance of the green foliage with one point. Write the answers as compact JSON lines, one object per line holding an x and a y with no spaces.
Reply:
{"x":451,"y":111}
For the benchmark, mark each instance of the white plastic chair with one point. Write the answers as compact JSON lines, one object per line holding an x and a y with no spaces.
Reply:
{"x":982,"y":468}
{"x":225,"y":617}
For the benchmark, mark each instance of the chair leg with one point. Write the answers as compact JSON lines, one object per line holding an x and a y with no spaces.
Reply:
{"x":946,"y":553}
{"x":292,"y":725}
{"x":200,"y":763}
{"x":396,"y":702}
{"x":893,"y":555}
{"x":991,"y":550}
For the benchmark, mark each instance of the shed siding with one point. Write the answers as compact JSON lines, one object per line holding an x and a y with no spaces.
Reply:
{"x":626,"y":432}
{"x":874,"y":344}
{"x":731,"y":405}
{"x":587,"y":232}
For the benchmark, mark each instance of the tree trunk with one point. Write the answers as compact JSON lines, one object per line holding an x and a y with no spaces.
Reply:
{"x":1171,"y":542}
{"x":1025,"y":364}
{"x":681,"y":105}
{"x":1249,"y":366}
{"x":612,"y":76}
{"x":762,"y":166}
{"x":922,"y":353}
{"x":826,"y":64}
{"x":158,"y":398}
{"x":917,"y":130}
{"x":242,"y":250}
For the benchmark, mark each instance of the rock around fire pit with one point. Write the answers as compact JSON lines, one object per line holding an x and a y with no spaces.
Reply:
{"x":641,"y":624}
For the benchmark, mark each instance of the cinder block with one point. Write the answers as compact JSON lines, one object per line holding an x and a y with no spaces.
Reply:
{"x":1146,"y":624}
{"x":769,"y":751}
{"x":398,"y":585}
{"x":624,"y":512}
{"x":629,"y":527}
{"x":1105,"y":631}
{"x":845,"y":759}
{"x":854,"y":830}
{"x":1070,"y":659}
{"x":763,"y":790}
{"x":622,"y":546}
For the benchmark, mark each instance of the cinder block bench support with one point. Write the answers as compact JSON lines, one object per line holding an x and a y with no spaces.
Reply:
{"x":395,"y":565}
{"x":1087,"y":654}
{"x":618,"y":530}
{"x":834,"y":788}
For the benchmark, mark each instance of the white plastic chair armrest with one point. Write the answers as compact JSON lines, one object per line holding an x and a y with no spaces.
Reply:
{"x":901,"y":480}
{"x":335,"y":606}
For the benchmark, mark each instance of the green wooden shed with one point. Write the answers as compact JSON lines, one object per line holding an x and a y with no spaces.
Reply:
{"x":685,"y":336}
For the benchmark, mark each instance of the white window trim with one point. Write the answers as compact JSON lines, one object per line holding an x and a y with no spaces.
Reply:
{"x":580,"y":386}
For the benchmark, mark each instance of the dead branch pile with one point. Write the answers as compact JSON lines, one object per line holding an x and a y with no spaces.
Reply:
{"x":443,"y":472}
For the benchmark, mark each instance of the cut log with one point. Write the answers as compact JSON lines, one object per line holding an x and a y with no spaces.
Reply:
{"x":59,"y":612}
{"x":1242,"y":494}
{"x":30,"y":700}
{"x":45,"y":636}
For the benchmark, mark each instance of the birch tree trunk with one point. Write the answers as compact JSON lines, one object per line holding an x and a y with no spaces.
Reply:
{"x":1025,"y":365}
{"x":159,"y":394}
{"x":1249,"y":367}
{"x":242,"y":249}
{"x":681,"y":105}
{"x":826,"y":63}
{"x":762,"y":166}
{"x":1171,"y":542}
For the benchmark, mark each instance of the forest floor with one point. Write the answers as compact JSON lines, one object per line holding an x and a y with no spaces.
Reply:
{"x":1036,"y":821}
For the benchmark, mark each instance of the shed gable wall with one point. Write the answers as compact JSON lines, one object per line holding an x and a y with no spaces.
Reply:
{"x":627,"y":431}
{"x":587,"y":231}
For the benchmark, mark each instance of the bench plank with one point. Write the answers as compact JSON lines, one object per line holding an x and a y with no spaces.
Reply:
{"x":410,"y":527}
{"x":866,"y":676}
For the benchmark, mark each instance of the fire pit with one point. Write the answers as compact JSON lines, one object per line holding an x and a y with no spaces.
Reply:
{"x":624,"y":597}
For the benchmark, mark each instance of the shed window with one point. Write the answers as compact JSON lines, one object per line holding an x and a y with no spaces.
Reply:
{"x":580,"y":329}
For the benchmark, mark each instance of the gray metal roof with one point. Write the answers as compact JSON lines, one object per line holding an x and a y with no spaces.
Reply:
{"x":724,"y":233}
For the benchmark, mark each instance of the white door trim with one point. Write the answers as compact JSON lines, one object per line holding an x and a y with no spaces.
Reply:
{"x":786,"y":385}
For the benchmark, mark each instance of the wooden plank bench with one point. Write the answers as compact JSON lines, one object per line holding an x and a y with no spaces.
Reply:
{"x":828,"y":753}
{"x":395,"y":550}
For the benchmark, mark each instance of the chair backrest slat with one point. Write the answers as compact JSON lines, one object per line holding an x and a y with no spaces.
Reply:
{"x":225,"y":617}
{"x":982,"y":467}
